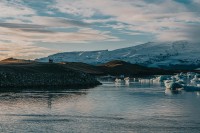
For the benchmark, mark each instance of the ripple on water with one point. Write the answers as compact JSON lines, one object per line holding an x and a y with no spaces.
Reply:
{"x":138,"y":107}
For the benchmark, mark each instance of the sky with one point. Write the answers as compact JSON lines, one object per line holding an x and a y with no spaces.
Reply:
{"x":36,"y":28}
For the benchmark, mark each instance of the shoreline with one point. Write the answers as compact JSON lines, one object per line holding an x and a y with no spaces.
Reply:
{"x":43,"y":75}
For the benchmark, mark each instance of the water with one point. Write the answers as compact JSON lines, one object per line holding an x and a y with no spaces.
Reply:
{"x":138,"y":107}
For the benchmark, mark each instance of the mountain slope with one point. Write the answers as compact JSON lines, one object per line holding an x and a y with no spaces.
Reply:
{"x":150,"y":54}
{"x":15,"y":61}
{"x":118,"y":67}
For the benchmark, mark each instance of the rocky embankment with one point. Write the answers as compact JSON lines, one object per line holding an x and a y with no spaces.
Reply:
{"x":43,"y":74}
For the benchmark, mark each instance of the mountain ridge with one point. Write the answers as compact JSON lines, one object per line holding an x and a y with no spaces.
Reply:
{"x":151,"y":54}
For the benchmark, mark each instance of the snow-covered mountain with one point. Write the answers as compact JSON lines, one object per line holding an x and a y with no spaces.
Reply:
{"x":149,"y":54}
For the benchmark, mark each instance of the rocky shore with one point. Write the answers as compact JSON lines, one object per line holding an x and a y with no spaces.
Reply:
{"x":40,"y":75}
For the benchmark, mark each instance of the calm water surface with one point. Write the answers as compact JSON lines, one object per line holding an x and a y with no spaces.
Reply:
{"x":137,"y":107}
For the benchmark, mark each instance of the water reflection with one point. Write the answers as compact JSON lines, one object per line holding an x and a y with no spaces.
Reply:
{"x":36,"y":101}
{"x":50,"y":99}
{"x":198,"y":93}
{"x":141,"y":106}
{"x":172,"y":92}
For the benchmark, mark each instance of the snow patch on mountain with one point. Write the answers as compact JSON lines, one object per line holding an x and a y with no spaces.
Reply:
{"x":149,"y":54}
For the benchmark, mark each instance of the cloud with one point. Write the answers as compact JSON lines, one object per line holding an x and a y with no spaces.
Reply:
{"x":76,"y":7}
{"x":187,"y":32}
{"x":17,"y":25}
{"x":26,"y":23}
{"x":28,"y":35}
{"x":23,"y":51}
{"x":14,"y":8}
{"x":44,"y":22}
{"x":22,"y":27}
{"x":57,"y":22}
{"x":153,"y":17}
{"x":30,"y":27}
{"x":127,"y":11}
{"x":98,"y":20}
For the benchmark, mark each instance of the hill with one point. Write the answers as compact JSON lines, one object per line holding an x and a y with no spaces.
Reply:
{"x":42,"y":74}
{"x":116,"y":68}
{"x":15,"y":61}
{"x":83,"y":67}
